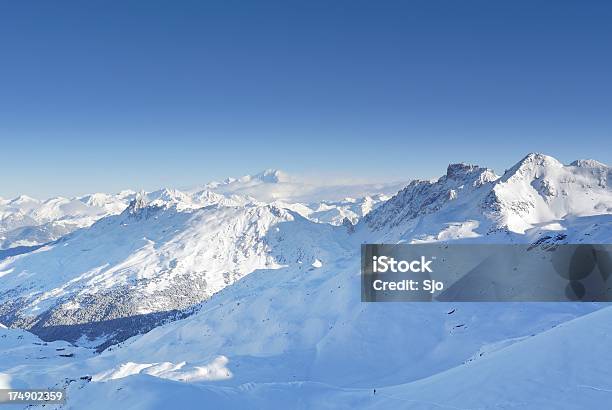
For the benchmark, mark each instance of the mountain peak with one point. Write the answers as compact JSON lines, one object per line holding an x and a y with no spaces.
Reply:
{"x":588,"y":163}
{"x":271,"y":175}
{"x":460,"y":170}
{"x":473,"y":174}
{"x":537,"y":159}
{"x":532,"y":166}
{"x":137,"y":204}
{"x":167,"y":195}
{"x":23,"y":198}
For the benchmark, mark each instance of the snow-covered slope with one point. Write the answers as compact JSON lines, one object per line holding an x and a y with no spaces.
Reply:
{"x":573,"y":373}
{"x":128,"y":272}
{"x":19,"y":349}
{"x":278,"y":326}
{"x":560,"y":368}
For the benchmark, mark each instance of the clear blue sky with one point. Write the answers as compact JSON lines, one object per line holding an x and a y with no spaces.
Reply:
{"x":106,"y":95}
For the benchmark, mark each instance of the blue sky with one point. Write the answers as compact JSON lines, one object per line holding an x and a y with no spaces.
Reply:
{"x":106,"y":95}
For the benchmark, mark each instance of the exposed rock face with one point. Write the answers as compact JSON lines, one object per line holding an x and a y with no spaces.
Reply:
{"x":537,"y":190}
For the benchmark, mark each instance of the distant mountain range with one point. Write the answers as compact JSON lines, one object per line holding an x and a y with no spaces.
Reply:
{"x":26,"y":221}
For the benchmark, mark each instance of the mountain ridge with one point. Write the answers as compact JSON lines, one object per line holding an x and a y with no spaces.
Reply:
{"x":140,"y":261}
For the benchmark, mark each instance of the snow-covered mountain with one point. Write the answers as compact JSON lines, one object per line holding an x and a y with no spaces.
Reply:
{"x":536,"y":195}
{"x":25,"y":221}
{"x":344,"y":211}
{"x":274,"y":316}
{"x":168,"y":250}
{"x":128,"y":272}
